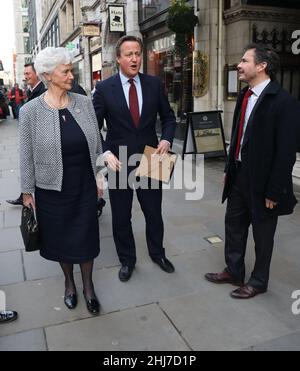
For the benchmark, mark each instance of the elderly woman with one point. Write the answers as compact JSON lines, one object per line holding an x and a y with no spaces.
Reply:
{"x":59,"y":145}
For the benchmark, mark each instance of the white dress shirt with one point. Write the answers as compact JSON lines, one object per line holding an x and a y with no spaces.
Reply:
{"x":126,"y":86}
{"x":257,"y":90}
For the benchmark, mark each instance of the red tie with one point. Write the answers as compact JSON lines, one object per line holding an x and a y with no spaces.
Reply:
{"x":242,"y":122}
{"x":134,"y":103}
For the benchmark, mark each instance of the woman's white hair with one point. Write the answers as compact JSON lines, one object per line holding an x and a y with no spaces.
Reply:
{"x":49,"y":58}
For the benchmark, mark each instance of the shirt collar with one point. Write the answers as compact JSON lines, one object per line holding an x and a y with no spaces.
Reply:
{"x":32,"y":89}
{"x":258,"y":89}
{"x":124,"y":79}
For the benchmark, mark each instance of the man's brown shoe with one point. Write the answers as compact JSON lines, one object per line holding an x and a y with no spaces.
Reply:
{"x":222,"y":277}
{"x":246,"y":292}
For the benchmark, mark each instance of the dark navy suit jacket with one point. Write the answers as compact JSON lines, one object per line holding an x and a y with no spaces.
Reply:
{"x":110,"y":104}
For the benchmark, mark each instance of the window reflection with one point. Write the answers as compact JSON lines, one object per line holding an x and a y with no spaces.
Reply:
{"x":176,"y":73}
{"x":149,"y":8}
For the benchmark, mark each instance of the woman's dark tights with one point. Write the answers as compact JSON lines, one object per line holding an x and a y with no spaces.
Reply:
{"x":86,"y":273}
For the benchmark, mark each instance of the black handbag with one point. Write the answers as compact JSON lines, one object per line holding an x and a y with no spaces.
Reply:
{"x":29,"y":229}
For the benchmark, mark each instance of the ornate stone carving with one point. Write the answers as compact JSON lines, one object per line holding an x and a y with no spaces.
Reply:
{"x":259,"y":13}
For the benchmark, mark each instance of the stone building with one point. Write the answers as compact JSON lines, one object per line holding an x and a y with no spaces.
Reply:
{"x":205,"y":79}
{"x":22,"y":38}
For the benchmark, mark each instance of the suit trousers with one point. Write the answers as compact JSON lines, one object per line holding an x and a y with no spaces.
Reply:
{"x":239,"y":216}
{"x":150,"y":201}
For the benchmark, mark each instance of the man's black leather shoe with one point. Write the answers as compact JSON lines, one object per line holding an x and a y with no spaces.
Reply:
{"x":70,"y":301}
{"x":8,"y":316}
{"x":164,"y":264}
{"x":18,"y":201}
{"x":125,"y":273}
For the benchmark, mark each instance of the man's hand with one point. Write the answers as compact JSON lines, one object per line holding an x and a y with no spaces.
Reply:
{"x":162,"y":149}
{"x":28,"y":200}
{"x":112,"y":162}
{"x":270,"y":204}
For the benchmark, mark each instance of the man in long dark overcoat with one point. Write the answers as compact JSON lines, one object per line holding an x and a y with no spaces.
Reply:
{"x":258,"y":174}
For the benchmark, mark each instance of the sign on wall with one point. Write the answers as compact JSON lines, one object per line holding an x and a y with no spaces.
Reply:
{"x":116,"y":18}
{"x":91,"y":30}
{"x":74,"y":46}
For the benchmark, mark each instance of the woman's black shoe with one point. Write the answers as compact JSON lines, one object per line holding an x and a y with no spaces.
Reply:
{"x":92,"y":305}
{"x":70,"y":301}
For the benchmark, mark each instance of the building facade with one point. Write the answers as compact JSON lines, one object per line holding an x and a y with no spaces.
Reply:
{"x":23,"y":53}
{"x":205,"y":79}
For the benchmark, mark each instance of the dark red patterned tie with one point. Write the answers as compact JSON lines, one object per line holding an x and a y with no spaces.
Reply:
{"x":134,"y":103}
{"x":242,"y":122}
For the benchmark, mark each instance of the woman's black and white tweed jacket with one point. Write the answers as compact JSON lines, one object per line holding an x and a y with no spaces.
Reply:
{"x":40,"y":141}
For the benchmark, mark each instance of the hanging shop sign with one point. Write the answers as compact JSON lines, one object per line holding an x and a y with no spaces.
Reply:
{"x":116,"y":18}
{"x":91,"y":29}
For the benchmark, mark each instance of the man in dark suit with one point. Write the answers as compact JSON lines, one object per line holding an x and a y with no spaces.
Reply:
{"x":129,"y":102}
{"x":36,"y":88}
{"x":258,"y":175}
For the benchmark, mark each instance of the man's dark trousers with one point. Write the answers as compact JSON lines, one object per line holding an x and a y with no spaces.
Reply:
{"x":121,"y":203}
{"x":238,"y":218}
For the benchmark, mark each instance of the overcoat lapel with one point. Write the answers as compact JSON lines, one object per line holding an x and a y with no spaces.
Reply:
{"x":272,"y":88}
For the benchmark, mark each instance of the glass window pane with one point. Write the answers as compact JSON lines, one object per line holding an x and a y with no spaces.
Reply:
{"x":25,"y":23}
{"x":148,"y":8}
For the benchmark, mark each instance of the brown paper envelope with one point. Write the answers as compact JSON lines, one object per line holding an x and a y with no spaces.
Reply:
{"x":152,"y":167}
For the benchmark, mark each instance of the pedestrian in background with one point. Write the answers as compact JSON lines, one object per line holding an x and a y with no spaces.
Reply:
{"x":16,"y":98}
{"x":258,"y":175}
{"x":59,"y":145}
{"x":36,"y":88}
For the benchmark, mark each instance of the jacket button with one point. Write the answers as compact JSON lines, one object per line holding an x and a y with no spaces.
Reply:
{"x":77,"y":110}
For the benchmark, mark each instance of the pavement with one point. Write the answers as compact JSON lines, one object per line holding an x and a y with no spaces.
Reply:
{"x":153,"y":311}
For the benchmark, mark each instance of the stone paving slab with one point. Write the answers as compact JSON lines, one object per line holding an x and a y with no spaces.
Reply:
{"x":138,"y":329}
{"x":11,"y":268}
{"x":1,"y":219}
{"x":213,"y":321}
{"x":40,"y":304}
{"x":105,"y":225}
{"x":37,"y":268}
{"x":9,"y":188}
{"x":10,"y":239}
{"x":10,"y":174}
{"x":288,"y":343}
{"x":148,"y":284}
{"x":28,"y":341}
{"x":12,"y":217}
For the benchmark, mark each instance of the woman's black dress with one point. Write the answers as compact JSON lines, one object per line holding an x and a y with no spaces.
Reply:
{"x":68,"y":220}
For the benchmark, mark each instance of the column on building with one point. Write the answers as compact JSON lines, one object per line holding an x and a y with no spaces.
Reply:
{"x":23,"y":55}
